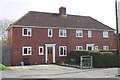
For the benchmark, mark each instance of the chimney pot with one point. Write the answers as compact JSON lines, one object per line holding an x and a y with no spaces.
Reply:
{"x":62,"y":11}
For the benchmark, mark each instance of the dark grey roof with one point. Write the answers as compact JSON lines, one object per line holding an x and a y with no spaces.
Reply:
{"x":42,"y":19}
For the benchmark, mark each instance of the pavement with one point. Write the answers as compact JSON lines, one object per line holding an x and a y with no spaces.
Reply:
{"x":56,"y":71}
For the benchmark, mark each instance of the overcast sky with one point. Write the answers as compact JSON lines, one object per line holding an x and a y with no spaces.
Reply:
{"x":102,"y":10}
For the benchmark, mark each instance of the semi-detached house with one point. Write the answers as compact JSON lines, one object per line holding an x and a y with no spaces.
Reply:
{"x":40,"y":37}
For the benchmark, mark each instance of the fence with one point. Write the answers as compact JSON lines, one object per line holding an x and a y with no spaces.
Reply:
{"x":5,"y":55}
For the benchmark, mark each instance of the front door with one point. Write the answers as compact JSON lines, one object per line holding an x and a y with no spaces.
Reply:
{"x":89,"y":48}
{"x":50,"y":54}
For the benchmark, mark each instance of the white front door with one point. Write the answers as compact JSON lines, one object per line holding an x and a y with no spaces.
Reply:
{"x":90,"y":46}
{"x":50,"y":53}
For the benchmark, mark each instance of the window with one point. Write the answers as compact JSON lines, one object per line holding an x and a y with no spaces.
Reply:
{"x":62,"y":33}
{"x":96,"y":47}
{"x":105,"y":34}
{"x":26,"y":51}
{"x":79,"y":33}
{"x":79,"y":48}
{"x":89,"y":34}
{"x":41,"y":50}
{"x":26,"y":32}
{"x":62,"y":51}
{"x":50,"y":33}
{"x":106,"y":47}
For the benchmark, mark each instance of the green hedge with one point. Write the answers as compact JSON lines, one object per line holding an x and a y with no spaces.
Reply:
{"x":101,"y":58}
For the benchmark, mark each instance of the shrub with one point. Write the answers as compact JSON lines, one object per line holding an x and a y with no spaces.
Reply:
{"x":75,"y":55}
{"x":2,"y":67}
{"x":101,"y":59}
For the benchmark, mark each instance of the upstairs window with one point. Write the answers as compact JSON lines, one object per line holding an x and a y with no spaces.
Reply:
{"x":79,"y":48}
{"x":105,"y":34}
{"x":62,"y":51}
{"x":26,"y":51}
{"x":62,"y":33}
{"x":79,"y":33}
{"x":50,"y":32}
{"x":26,"y":32}
{"x":41,"y":50}
{"x":89,"y":34}
{"x":106,"y":47}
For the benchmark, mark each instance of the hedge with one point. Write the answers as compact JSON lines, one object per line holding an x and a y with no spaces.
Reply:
{"x":101,"y":58}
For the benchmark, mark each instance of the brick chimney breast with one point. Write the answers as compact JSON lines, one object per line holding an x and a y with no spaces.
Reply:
{"x":62,"y":11}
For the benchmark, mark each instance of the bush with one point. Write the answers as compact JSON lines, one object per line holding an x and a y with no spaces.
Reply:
{"x":75,"y":55}
{"x":101,"y":59}
{"x":2,"y":67}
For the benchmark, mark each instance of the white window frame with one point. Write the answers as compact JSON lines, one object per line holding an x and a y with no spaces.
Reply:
{"x":64,"y":47}
{"x":42,"y":53}
{"x":96,"y":47}
{"x":78,"y":33}
{"x":27,"y":50}
{"x":106,"y":47}
{"x":77,"y":48}
{"x":51,"y":33}
{"x":27,"y":32}
{"x":105,"y":34}
{"x":64,"y":33}
{"x":89,"y":34}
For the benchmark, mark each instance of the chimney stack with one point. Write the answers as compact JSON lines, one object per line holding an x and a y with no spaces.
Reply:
{"x":62,"y":11}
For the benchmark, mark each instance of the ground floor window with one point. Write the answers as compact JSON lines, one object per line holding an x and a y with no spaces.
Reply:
{"x":41,"y":50}
{"x":79,"y":48}
{"x":27,"y":50}
{"x":62,"y":50}
{"x":106,"y":47}
{"x":96,"y":47}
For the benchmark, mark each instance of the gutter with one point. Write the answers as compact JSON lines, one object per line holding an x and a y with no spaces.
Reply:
{"x":56,"y":28}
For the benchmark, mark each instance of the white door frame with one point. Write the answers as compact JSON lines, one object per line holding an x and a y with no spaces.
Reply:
{"x":90,"y":45}
{"x":46,"y":52}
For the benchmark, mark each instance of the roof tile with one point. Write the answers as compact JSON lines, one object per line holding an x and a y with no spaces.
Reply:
{"x":42,"y":19}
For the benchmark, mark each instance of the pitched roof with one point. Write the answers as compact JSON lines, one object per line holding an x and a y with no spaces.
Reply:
{"x":42,"y":19}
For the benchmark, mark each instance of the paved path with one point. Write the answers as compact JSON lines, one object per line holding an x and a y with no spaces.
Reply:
{"x":55,"y":71}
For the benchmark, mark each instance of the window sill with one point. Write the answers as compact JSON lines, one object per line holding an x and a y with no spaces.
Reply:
{"x":62,"y":36}
{"x":79,"y":36}
{"x":49,"y":36}
{"x":27,"y":35}
{"x":62,"y":55}
{"x":41,"y":54}
{"x":26,"y":54}
{"x":106,"y":37}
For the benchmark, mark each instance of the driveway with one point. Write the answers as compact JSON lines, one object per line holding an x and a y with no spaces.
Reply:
{"x":55,"y":71}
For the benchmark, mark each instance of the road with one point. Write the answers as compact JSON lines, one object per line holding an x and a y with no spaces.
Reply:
{"x":55,"y":71}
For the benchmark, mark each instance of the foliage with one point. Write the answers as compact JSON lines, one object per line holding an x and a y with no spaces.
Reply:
{"x":2,"y":67}
{"x":101,"y":58}
{"x":4,"y":24}
{"x":2,"y":43}
{"x":62,"y":63}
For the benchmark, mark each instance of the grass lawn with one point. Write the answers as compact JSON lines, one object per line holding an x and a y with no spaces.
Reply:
{"x":2,"y":67}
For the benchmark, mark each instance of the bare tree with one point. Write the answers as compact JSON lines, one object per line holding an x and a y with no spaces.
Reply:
{"x":4,"y":24}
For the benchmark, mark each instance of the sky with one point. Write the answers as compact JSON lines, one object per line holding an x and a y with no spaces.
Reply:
{"x":102,"y":10}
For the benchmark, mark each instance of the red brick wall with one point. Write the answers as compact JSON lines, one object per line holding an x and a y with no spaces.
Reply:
{"x":40,"y":37}
{"x":10,"y":36}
